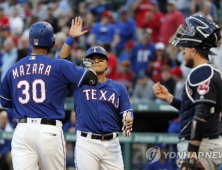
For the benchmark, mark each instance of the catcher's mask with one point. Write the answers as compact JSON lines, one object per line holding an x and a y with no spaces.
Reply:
{"x":199,"y":32}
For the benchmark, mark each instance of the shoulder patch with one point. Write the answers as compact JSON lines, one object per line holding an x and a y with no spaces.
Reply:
{"x":203,"y":88}
{"x":200,"y":75}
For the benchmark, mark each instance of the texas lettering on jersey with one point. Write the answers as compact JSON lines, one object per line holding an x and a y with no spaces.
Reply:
{"x":102,"y":95}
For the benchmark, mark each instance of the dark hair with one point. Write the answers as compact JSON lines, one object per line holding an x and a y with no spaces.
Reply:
{"x":203,"y":53}
{"x":107,"y":47}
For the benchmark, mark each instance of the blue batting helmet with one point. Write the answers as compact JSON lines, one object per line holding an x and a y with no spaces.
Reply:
{"x":42,"y":34}
{"x":96,"y":50}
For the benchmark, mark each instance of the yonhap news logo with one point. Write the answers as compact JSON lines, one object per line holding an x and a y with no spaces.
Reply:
{"x":153,"y":154}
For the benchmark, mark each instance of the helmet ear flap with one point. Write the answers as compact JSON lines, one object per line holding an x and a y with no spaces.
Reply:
{"x":211,"y":41}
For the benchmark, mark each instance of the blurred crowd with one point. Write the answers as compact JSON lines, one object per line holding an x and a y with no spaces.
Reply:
{"x":135,"y":33}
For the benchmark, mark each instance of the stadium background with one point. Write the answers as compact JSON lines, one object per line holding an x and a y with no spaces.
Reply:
{"x":136,"y":34}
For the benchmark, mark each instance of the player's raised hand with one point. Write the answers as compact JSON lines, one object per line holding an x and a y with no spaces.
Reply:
{"x":161,"y":92}
{"x":76,"y":28}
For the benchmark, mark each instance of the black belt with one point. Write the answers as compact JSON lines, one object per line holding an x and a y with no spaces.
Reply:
{"x":210,"y":138}
{"x":43,"y":121}
{"x":101,"y":137}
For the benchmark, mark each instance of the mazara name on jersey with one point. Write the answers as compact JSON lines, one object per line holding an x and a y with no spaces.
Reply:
{"x":29,"y":69}
{"x":93,"y":94}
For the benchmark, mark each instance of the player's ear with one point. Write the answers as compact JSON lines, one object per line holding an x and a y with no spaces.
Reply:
{"x":193,"y":50}
{"x":106,"y":65}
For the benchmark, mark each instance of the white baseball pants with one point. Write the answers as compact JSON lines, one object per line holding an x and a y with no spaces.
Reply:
{"x":212,"y":150}
{"x":93,"y":154}
{"x":35,"y":146}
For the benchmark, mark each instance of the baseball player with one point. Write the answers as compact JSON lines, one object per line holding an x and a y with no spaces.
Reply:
{"x":99,"y":111}
{"x":35,"y":87}
{"x":201,"y":99}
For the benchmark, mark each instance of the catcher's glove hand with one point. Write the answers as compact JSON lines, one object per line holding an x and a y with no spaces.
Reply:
{"x":127,"y":119}
{"x":86,"y":63}
{"x":190,"y":164}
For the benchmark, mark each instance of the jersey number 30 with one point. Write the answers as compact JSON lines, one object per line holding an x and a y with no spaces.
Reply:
{"x":26,"y":91}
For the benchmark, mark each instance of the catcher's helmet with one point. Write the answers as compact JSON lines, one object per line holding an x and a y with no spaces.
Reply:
{"x":198,"y":32}
{"x":41,"y":34}
{"x":96,"y":50}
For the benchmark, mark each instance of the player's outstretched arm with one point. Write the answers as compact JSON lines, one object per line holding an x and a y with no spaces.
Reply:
{"x":162,"y":93}
{"x":74,"y":32}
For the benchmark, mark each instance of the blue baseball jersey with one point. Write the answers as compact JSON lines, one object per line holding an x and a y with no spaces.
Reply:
{"x":99,"y":109}
{"x":37,"y":85}
{"x":104,"y":33}
{"x":141,"y":57}
{"x":126,"y":31}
